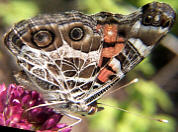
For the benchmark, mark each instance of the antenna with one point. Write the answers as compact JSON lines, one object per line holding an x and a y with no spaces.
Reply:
{"x":160,"y":120}
{"x":46,"y":104}
{"x":133,"y":81}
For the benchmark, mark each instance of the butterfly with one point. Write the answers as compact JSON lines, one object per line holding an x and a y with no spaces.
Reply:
{"x":73,"y":59}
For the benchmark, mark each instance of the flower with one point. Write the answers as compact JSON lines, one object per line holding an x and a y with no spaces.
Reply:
{"x":14,"y":102}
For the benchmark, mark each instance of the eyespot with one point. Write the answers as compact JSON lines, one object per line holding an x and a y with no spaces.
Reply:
{"x":167,"y":23}
{"x":43,"y":38}
{"x":157,"y":20}
{"x":148,"y":19}
{"x":76,"y":33}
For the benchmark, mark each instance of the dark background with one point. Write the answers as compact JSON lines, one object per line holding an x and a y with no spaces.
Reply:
{"x":155,"y":95}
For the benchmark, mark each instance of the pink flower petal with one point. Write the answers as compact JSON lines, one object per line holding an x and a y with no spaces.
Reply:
{"x":13,"y":111}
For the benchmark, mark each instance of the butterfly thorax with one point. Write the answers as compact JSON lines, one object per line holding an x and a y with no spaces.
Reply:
{"x":78,"y":107}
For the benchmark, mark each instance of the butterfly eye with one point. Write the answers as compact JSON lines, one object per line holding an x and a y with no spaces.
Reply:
{"x":43,"y":38}
{"x":76,"y":33}
{"x":147,"y":19}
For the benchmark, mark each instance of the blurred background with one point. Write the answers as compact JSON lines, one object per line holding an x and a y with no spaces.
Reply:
{"x":155,"y":95}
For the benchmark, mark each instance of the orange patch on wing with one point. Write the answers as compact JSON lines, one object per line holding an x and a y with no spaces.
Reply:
{"x":98,"y":27}
{"x":104,"y":75}
{"x":111,"y":33}
{"x":112,"y":51}
{"x":109,"y":52}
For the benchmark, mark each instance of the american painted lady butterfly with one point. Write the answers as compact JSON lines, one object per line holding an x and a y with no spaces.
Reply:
{"x":73,"y":59}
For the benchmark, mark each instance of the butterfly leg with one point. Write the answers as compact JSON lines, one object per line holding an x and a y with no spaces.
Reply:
{"x":71,"y":116}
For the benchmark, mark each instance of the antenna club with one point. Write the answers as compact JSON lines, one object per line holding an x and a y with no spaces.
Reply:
{"x":163,"y":120}
{"x":136,"y":80}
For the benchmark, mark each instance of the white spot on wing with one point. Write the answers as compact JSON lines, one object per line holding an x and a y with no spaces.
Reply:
{"x":110,"y":33}
{"x":136,"y":26}
{"x":116,"y":66}
{"x":139,"y":45}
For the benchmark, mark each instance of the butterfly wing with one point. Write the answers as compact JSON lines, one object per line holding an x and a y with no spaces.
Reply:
{"x":128,"y":39}
{"x":58,"y":53}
